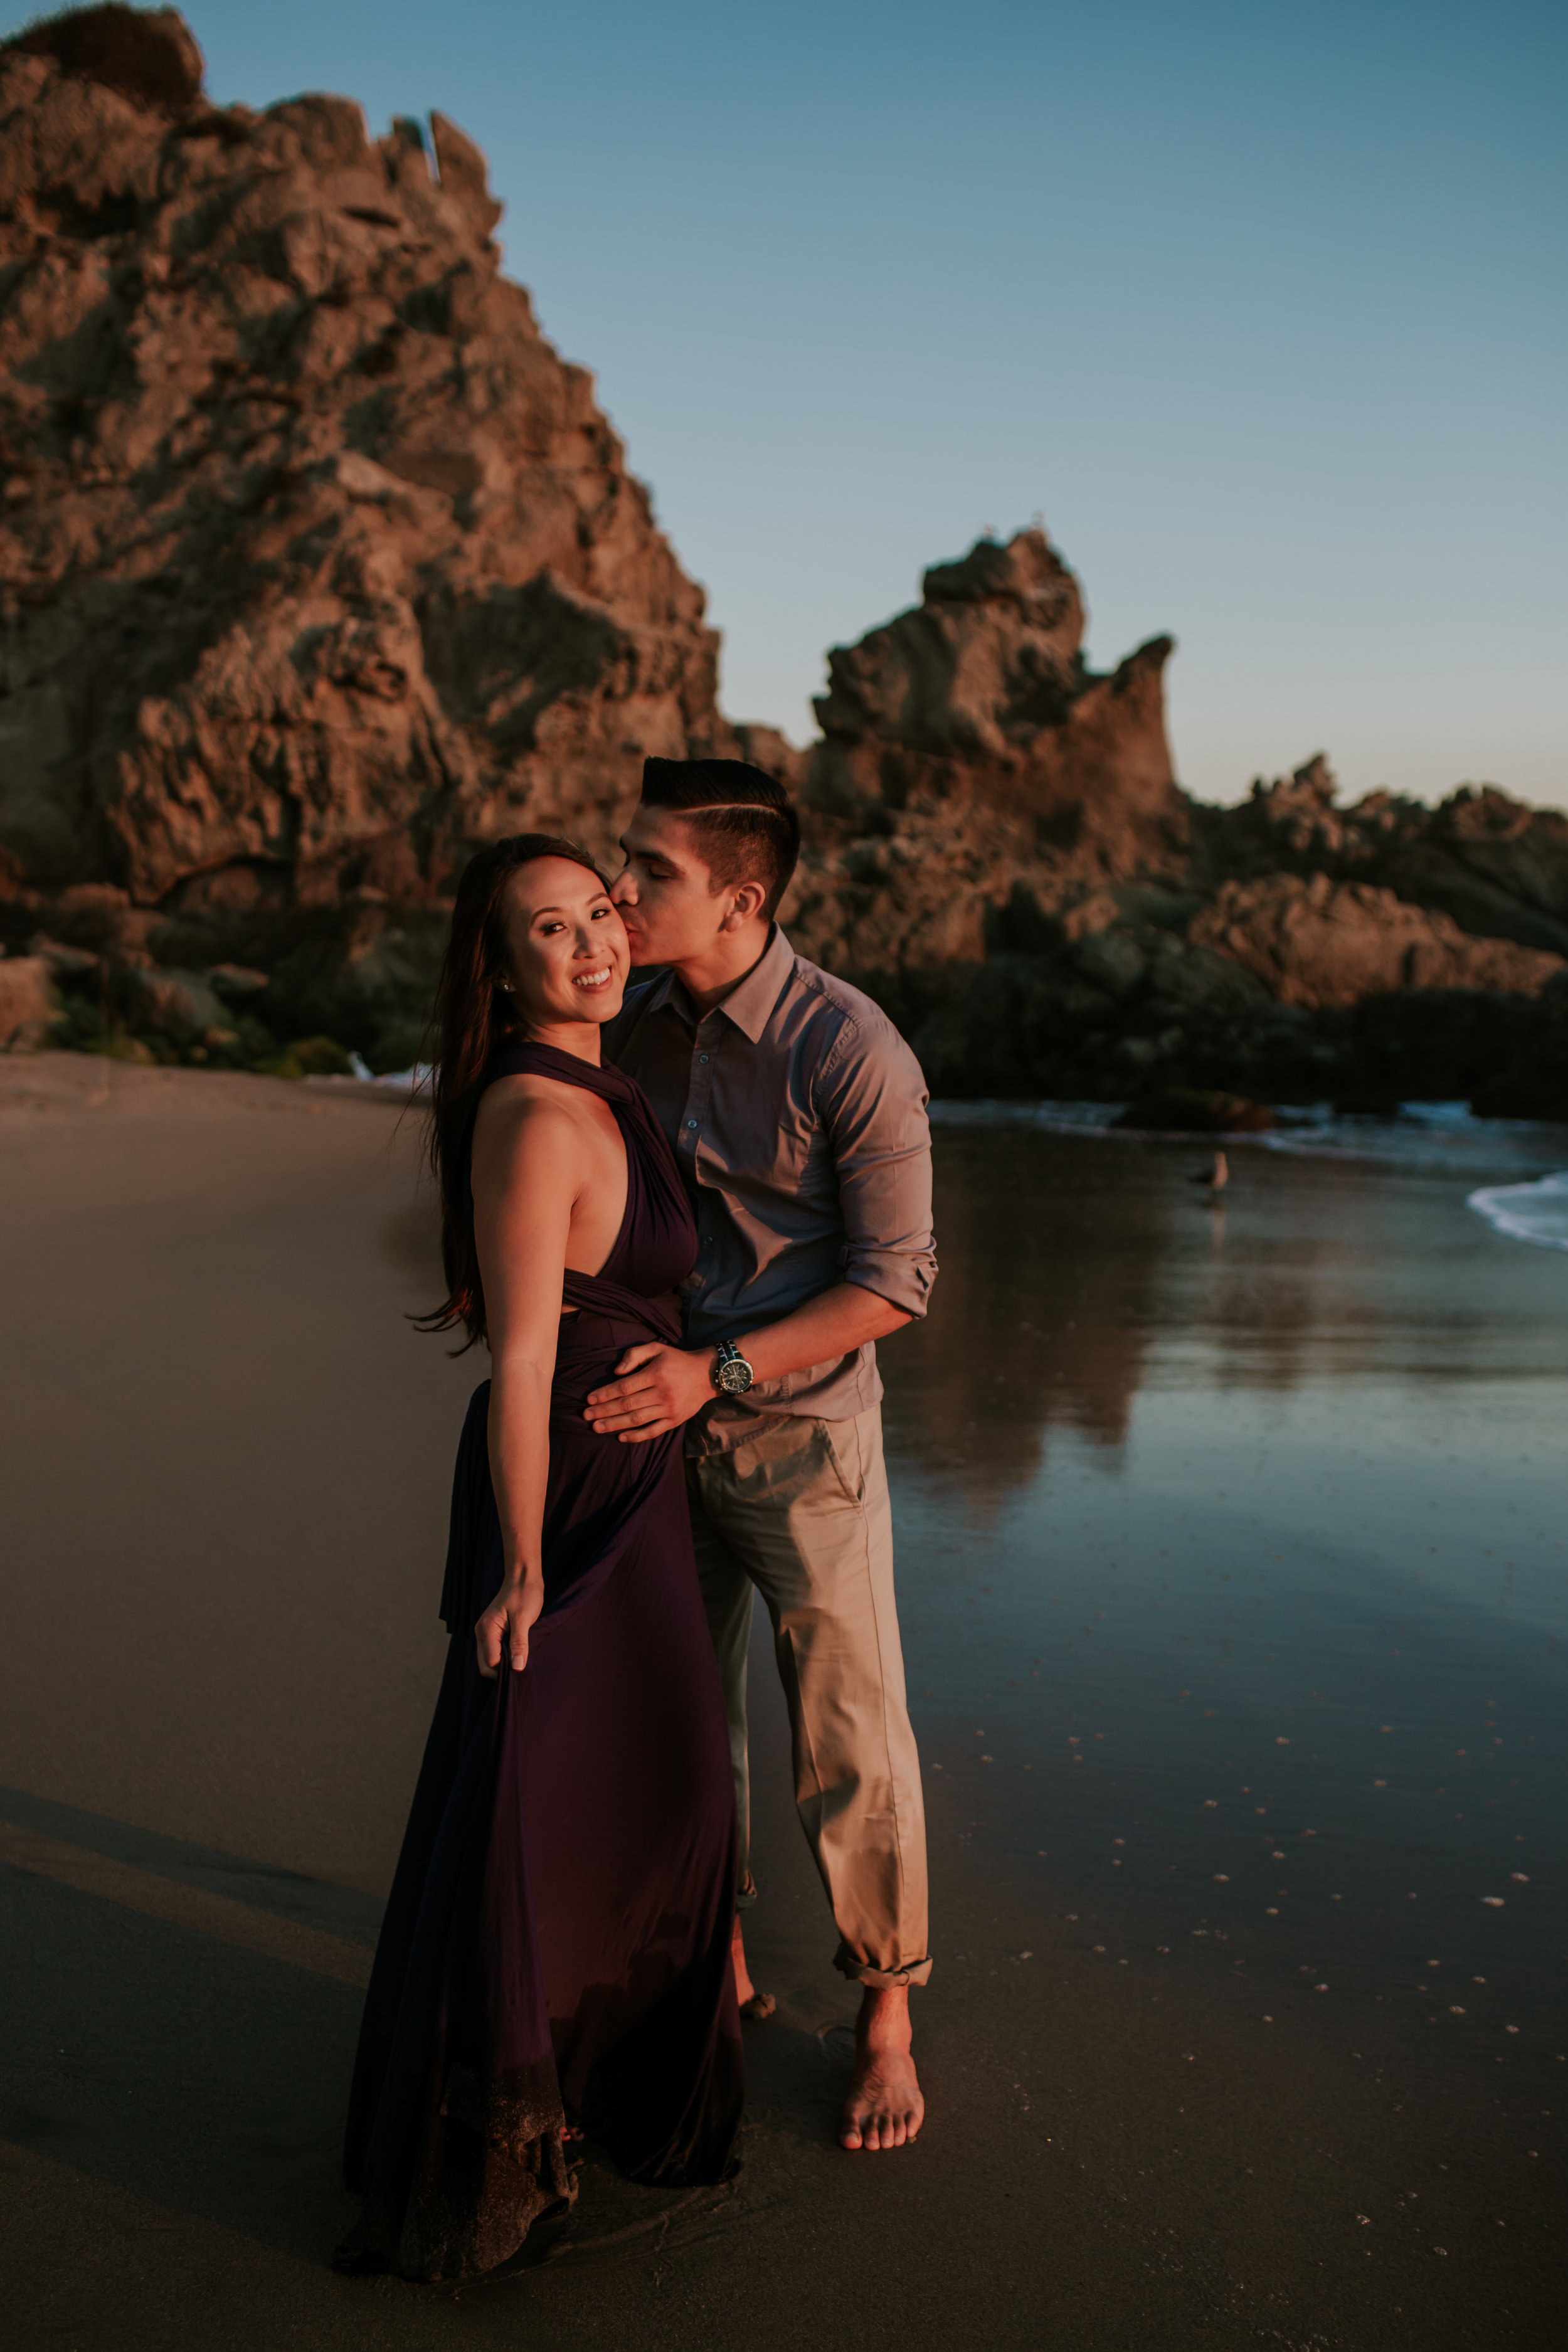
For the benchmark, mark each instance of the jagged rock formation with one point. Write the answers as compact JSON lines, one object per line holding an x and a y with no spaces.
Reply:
{"x":1499,"y":869}
{"x":999,"y":852}
{"x":1320,"y":944}
{"x":969,"y":758}
{"x":317,"y":564}
{"x":1267,"y":968}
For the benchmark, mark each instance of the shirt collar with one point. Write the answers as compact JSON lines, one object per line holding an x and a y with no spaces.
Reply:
{"x":750,"y":1005}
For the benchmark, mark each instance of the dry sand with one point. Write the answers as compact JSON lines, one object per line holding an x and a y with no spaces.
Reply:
{"x":226,"y":1462}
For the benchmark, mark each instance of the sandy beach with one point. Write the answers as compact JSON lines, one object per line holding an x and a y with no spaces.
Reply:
{"x":1191,"y":1504}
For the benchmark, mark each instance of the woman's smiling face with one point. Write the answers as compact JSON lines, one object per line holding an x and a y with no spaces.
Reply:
{"x":566,"y":944}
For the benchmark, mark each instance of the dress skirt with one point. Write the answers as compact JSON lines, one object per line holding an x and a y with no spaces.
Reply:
{"x":556,"y":1945}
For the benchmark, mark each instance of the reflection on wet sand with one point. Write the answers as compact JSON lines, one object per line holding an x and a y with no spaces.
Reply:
{"x":1239,"y":1536}
{"x":1076,"y":1273}
{"x":1043,"y":1313}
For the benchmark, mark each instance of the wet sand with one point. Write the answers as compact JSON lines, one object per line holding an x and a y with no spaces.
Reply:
{"x":226,"y":1462}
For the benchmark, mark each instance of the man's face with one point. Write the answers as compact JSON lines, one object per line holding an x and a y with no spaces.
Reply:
{"x":664,"y":891}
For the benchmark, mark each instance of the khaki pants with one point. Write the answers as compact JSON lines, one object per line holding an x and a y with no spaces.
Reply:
{"x":800,"y":1513}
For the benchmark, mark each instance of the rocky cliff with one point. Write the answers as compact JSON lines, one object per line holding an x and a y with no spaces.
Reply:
{"x":317,"y":563}
{"x":969,"y":756}
{"x":318,"y":566}
{"x":998,"y":851}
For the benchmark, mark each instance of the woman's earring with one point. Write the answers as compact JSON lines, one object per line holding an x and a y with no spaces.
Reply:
{"x":506,"y":988}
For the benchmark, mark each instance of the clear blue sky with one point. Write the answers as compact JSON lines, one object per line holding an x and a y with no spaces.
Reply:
{"x":1260,"y":306}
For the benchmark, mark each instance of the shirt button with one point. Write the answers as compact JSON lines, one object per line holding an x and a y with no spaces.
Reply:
{"x":703,"y":1057}
{"x":707,"y":1241}
{"x":691,"y":1122}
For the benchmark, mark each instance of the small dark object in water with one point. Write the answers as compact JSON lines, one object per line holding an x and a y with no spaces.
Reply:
{"x":1196,"y":1111}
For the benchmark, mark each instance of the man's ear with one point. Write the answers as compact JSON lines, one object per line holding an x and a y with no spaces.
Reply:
{"x":746,"y":907}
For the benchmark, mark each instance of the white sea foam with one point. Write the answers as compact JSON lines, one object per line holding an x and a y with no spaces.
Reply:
{"x":1534,"y":1213}
{"x":358,"y":1073}
{"x":1421,"y":1138}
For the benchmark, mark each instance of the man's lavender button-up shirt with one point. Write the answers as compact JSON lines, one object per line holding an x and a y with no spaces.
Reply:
{"x":798,"y":1118}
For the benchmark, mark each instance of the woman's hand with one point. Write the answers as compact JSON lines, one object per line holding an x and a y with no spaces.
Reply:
{"x":504,"y":1626}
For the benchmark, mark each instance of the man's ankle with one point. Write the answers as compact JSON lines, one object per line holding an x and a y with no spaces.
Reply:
{"x":884,"y":2014}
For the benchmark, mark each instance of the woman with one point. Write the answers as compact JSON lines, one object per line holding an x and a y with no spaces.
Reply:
{"x":555,"y":1952}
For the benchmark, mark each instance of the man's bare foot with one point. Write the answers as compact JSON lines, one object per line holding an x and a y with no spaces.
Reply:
{"x":884,"y":2108}
{"x":753,"y":2003}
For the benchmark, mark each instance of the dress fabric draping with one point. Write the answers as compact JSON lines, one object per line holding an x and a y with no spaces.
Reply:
{"x":556,"y":1945}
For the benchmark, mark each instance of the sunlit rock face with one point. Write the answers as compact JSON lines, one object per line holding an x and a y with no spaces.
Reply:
{"x":1321,"y":943}
{"x":319,"y":564}
{"x":998,"y":850}
{"x":971,"y":763}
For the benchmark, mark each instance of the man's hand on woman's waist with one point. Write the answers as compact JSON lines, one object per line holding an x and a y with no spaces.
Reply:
{"x":658,"y":1388}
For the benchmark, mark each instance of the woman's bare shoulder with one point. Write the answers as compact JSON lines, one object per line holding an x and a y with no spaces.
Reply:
{"x":527,"y":1103}
{"x":531,"y":1119}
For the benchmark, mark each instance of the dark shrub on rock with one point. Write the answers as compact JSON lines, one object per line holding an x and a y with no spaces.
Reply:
{"x":1196,"y":1111}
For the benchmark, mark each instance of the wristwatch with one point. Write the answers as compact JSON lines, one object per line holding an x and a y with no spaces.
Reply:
{"x":732,"y":1374}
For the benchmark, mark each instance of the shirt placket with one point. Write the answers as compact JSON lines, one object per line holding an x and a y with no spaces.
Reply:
{"x":695,"y":1129}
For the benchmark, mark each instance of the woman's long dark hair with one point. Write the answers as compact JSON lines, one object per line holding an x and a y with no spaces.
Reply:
{"x":472,"y":1019}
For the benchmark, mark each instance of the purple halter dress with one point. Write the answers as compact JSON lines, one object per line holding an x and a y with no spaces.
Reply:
{"x":556,"y":1943}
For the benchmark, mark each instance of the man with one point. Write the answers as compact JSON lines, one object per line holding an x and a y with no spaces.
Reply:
{"x":797,"y":1115}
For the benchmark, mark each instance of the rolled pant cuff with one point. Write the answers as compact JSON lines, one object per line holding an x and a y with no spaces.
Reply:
{"x":918,"y":1972}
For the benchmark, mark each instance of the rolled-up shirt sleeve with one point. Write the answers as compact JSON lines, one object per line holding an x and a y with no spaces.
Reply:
{"x":871,"y":1099}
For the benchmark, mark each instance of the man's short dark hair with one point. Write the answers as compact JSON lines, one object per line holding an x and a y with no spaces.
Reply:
{"x":743,"y":820}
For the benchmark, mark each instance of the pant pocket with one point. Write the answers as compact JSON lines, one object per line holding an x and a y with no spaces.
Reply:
{"x":842,"y":1440}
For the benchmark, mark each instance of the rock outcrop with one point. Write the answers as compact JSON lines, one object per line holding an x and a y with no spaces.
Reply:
{"x":998,"y":851}
{"x":318,"y":567}
{"x":1317,"y":943}
{"x":317,"y":564}
{"x":971,"y":767}
{"x":29,"y":1005}
{"x":1290,"y":981}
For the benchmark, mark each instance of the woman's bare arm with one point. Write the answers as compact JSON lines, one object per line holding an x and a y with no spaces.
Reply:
{"x":527,"y":1172}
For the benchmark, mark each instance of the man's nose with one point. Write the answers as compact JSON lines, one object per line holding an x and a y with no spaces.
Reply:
{"x":624,"y":888}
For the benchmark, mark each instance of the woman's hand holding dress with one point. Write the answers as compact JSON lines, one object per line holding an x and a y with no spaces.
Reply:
{"x":503,"y":1628}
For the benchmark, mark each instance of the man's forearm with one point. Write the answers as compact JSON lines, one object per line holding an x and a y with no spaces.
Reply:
{"x":831,"y":1325}
{"x":659,"y":1387}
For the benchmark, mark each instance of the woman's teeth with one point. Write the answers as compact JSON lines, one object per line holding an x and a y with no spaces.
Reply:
{"x":600,"y":979}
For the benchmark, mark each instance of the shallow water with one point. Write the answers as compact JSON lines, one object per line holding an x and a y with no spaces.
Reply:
{"x":1232,"y":1565}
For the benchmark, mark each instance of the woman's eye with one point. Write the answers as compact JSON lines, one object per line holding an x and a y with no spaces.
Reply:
{"x":600,"y":912}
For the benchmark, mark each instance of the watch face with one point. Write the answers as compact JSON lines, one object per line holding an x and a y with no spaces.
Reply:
{"x":734,"y":1378}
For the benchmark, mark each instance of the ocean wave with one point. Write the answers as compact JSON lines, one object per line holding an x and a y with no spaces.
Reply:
{"x":1444,"y":1139}
{"x":1436,"y":1138}
{"x":1534,"y":1213}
